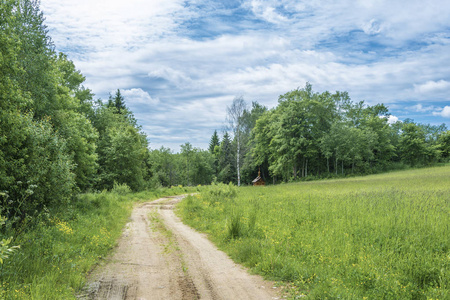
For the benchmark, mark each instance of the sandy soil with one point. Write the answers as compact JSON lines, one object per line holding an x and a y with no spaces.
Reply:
{"x":158,"y":257}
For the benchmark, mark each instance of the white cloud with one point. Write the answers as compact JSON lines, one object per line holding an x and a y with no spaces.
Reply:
{"x":176,"y":77}
{"x":102,"y":25}
{"x":432,"y":87}
{"x":445,"y":112}
{"x":392,"y":119}
{"x":420,"y":108}
{"x":138,"y":96}
{"x":266,"y":11}
{"x":372,"y":27}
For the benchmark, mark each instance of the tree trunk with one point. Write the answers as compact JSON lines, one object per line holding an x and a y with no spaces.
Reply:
{"x":303,"y":168}
{"x":238,"y":154}
{"x":342,"y":165}
{"x":187,"y":173}
{"x":306,"y":168}
{"x":328,"y":164}
{"x":336,"y":166}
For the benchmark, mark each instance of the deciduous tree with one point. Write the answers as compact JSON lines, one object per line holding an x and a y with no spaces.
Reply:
{"x":234,"y":117}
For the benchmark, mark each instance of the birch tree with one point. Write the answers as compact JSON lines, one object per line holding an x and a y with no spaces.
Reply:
{"x":234,"y":117}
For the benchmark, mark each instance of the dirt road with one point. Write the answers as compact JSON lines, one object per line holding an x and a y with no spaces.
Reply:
{"x":158,"y":257}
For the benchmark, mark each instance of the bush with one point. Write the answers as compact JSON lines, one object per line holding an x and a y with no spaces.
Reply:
{"x":235,"y":228}
{"x":121,"y":189}
{"x":222,"y":192}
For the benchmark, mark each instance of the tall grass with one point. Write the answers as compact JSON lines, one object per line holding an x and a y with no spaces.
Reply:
{"x":59,"y":250}
{"x":375,"y":237}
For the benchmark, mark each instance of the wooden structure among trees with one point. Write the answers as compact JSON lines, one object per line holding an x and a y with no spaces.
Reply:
{"x":258,"y":180}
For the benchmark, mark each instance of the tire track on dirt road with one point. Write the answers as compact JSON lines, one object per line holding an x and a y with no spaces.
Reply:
{"x":158,"y":257}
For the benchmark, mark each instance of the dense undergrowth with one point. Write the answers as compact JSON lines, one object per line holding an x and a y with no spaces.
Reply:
{"x":58,"y":250}
{"x":375,"y":237}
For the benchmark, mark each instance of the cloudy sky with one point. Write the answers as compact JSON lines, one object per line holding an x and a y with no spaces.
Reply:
{"x":180,"y":63}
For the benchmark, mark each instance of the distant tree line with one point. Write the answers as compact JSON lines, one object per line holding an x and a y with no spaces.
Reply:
{"x":318,"y":135}
{"x":307,"y":136}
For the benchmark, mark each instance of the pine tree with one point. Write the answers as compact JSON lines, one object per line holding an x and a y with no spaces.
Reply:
{"x":226,"y":163}
{"x":214,"y":142}
{"x":119,"y":102}
{"x":214,"y":146}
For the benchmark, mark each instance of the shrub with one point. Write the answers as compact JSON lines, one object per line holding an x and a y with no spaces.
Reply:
{"x":222,"y":192}
{"x":235,"y":228}
{"x":5,"y":248}
{"x":121,"y":189}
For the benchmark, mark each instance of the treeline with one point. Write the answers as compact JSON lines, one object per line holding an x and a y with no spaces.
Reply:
{"x":55,"y":139}
{"x":309,"y":135}
{"x":193,"y":166}
{"x":320,"y":134}
{"x":316,"y":135}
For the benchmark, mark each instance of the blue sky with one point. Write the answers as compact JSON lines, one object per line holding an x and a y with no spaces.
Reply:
{"x":179,"y":64}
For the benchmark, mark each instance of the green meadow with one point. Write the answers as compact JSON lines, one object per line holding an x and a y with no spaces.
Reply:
{"x":374,"y":237}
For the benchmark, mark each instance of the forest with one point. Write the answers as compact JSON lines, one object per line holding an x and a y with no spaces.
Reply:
{"x":58,"y":141}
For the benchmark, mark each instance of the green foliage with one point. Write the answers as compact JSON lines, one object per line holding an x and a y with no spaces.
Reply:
{"x":35,"y":56}
{"x":375,"y":237}
{"x":221,"y":192}
{"x":121,"y":189}
{"x":81,"y":145}
{"x":444,"y":144}
{"x":214,"y":142}
{"x":5,"y":248}
{"x":117,"y":102}
{"x":164,"y":167}
{"x":192,"y":166}
{"x":123,"y":158}
{"x":214,"y":148}
{"x":413,"y":147}
{"x":226,"y":162}
{"x":56,"y":255}
{"x":235,"y":228}
{"x":38,"y":170}
{"x":46,"y":143}
{"x":122,"y":150}
{"x":319,"y":134}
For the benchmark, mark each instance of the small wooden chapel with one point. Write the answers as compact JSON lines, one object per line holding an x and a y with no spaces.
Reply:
{"x":258,"y":180}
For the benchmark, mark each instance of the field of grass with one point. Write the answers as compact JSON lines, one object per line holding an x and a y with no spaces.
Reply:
{"x":60,"y":249}
{"x":375,"y":237}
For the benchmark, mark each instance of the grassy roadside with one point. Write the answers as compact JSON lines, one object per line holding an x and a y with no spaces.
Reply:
{"x":375,"y":237}
{"x":170,"y":244}
{"x":60,"y":250}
